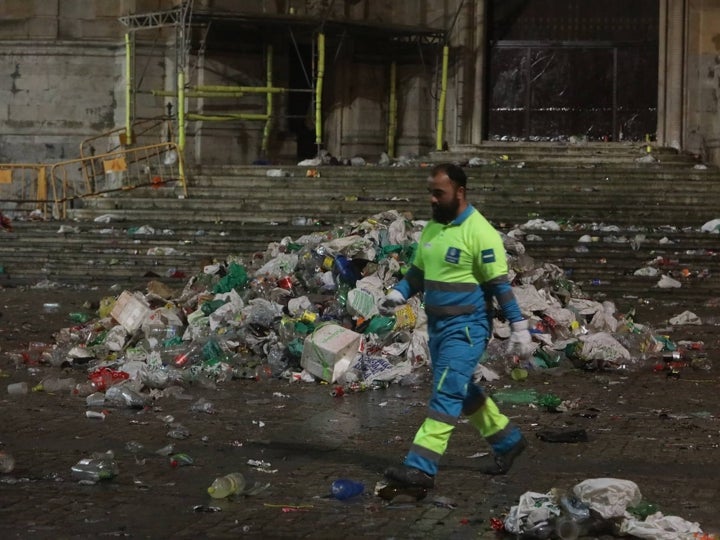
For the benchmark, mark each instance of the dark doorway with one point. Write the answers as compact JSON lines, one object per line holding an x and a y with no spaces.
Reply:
{"x":562,"y":68}
{"x":301,"y":116}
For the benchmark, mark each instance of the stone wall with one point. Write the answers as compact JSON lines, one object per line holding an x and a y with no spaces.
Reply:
{"x":62,"y":63}
{"x":702,"y":120}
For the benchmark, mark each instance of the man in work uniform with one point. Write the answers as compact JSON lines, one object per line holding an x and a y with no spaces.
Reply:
{"x":460,"y":261}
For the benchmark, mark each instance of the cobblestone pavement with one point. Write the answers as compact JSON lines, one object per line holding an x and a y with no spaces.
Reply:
{"x":660,"y":432}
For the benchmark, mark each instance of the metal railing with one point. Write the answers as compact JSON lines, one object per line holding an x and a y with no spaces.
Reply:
{"x":23,"y":187}
{"x":148,"y":131}
{"x":153,"y":165}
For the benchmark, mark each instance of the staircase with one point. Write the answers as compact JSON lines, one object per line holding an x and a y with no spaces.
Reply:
{"x":239,"y":210}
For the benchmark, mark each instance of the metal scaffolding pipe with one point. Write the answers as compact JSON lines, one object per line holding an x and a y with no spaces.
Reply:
{"x":193,"y":94}
{"x":181,"y":109}
{"x":319,"y":89}
{"x":129,"y":82}
{"x":249,"y":89}
{"x":392,"y":110}
{"x":269,"y":101}
{"x":226,"y":117}
{"x":443,"y":97}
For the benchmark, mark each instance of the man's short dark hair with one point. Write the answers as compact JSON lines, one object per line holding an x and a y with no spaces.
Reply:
{"x":454,"y":173}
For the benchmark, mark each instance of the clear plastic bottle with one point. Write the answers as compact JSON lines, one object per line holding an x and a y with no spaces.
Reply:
{"x":574,"y":519}
{"x":95,"y":469}
{"x":55,"y":384}
{"x":224,"y":486}
{"x":7,"y":462}
{"x":16,"y":389}
{"x":343,"y":488}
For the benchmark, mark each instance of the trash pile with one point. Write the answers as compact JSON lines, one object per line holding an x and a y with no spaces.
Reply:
{"x":307,"y":309}
{"x":594,"y":507}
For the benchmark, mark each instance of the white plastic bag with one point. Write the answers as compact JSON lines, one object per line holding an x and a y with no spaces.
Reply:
{"x":609,"y":497}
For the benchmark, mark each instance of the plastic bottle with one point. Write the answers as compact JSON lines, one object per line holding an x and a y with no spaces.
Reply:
{"x":7,"y":462}
{"x":224,"y":486}
{"x":343,"y":488}
{"x":345,"y":269}
{"x":541,"y":531}
{"x":180,"y":460}
{"x":104,"y":378}
{"x":191,"y":356}
{"x":572,"y":523}
{"x":95,"y":469}
{"x":124,"y":396}
{"x":96,"y":399}
{"x":55,"y":384}
{"x":17,"y":388}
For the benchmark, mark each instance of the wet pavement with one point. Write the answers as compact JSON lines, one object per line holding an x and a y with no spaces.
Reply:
{"x":660,"y":432}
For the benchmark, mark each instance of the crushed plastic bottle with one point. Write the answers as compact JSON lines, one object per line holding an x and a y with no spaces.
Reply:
{"x":95,"y":469}
{"x":224,"y":486}
{"x":55,"y":385}
{"x":178,"y":431}
{"x":123,"y":395}
{"x":180,"y":460}
{"x":202,"y":405}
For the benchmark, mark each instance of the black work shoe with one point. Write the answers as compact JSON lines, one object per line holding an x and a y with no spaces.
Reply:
{"x":409,"y":476}
{"x":501,"y":463}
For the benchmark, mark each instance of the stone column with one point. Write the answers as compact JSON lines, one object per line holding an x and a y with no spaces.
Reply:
{"x":479,"y":44}
{"x":672,"y":84}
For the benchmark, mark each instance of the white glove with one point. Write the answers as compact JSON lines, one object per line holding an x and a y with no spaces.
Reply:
{"x":521,"y":340}
{"x":392,"y":300}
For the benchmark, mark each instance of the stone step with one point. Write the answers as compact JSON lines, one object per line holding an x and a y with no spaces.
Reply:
{"x":238,"y":210}
{"x":35,"y":251}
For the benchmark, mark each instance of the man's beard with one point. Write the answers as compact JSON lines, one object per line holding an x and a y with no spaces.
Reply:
{"x":446,"y":213}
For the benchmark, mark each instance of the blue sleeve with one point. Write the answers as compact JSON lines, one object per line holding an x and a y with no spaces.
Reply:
{"x":412,"y":283}
{"x":500,"y":288}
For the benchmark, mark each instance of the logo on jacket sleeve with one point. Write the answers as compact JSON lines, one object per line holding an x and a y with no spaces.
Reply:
{"x":488,"y":256}
{"x":452,"y":255}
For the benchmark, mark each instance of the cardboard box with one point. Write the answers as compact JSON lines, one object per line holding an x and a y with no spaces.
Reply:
{"x":130,"y":310}
{"x":329,"y":351}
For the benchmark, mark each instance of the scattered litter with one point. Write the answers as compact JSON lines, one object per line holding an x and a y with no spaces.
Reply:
{"x":685,"y":318}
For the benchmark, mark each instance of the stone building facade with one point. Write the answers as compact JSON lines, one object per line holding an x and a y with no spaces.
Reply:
{"x":517,"y":70}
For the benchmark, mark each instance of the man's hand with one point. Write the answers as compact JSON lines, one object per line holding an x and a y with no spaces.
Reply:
{"x":520,"y":339}
{"x":392,"y":300}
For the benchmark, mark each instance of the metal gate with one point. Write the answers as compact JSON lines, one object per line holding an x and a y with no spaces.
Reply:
{"x":562,"y":68}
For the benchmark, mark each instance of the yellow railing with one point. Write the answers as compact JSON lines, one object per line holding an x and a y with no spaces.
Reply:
{"x":153,"y":165}
{"x":23,"y":187}
{"x":156,"y":129}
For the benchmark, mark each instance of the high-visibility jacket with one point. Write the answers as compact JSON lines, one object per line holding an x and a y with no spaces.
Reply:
{"x":456,"y":264}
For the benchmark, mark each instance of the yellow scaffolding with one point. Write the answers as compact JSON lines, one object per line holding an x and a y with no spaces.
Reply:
{"x":183,"y":16}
